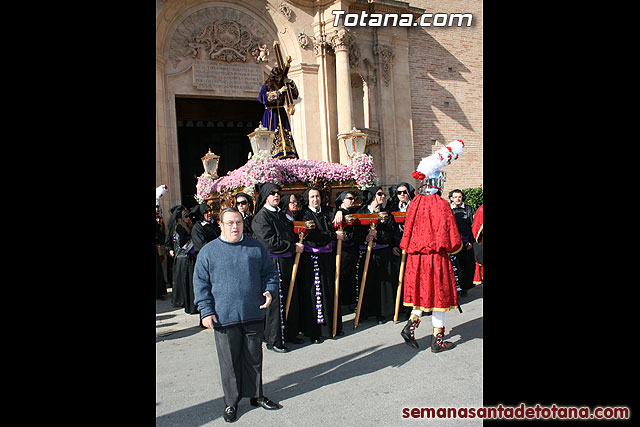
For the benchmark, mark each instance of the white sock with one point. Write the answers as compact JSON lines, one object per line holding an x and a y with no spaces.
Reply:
{"x":437,"y":318}
{"x":417,"y":313}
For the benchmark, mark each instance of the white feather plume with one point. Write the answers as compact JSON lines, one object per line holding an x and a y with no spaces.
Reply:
{"x":441,"y":158}
{"x":160,"y":190}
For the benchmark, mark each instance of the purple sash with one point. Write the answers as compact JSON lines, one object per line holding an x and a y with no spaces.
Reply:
{"x":321,"y":250}
{"x":374,"y":247}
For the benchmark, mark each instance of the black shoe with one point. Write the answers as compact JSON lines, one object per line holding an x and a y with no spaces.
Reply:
{"x":230,"y":414}
{"x":438,"y":343}
{"x":317,"y":340}
{"x":264,"y":402}
{"x":381,"y":320}
{"x":408,"y":333}
{"x":295,"y":340}
{"x":278,"y":348}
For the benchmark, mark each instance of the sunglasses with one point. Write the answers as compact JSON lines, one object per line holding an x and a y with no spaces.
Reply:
{"x":349,"y":198}
{"x":274,"y":192}
{"x":243,"y":202}
{"x":380,"y":194}
{"x":402,"y":192}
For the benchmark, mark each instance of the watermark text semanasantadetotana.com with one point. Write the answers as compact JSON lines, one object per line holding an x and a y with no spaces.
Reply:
{"x":364,"y":19}
{"x":522,"y":412}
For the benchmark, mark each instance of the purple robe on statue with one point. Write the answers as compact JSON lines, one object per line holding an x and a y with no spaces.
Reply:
{"x":275,"y":118}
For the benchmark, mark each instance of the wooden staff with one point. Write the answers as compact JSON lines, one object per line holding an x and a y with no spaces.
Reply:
{"x":302,"y":228}
{"x":373,"y":220}
{"x":337,"y":290}
{"x":399,"y":291}
{"x":399,"y":217}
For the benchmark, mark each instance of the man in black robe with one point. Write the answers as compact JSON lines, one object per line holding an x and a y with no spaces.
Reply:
{"x":378,"y":299}
{"x":349,"y":255}
{"x":272,"y":229}
{"x":318,"y":268}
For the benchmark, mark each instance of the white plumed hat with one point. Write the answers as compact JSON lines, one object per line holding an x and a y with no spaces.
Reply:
{"x":160,"y":190}
{"x":429,"y":168}
{"x":441,"y":158}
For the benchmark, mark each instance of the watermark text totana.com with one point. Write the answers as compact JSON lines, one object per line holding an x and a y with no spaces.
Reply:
{"x":364,"y":19}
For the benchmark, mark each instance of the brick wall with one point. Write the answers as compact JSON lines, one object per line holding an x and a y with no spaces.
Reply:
{"x":445,"y":64}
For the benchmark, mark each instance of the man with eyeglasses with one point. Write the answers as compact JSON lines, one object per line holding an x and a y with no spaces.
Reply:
{"x":234,"y":281}
{"x":378,"y":294}
{"x":244,"y":203}
{"x":399,"y":200}
{"x":273,"y":230}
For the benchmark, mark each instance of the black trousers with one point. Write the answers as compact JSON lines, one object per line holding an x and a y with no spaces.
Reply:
{"x":240,"y":356}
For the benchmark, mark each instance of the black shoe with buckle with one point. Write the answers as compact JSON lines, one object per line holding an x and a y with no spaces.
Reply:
{"x":264,"y":402}
{"x":230,"y":414}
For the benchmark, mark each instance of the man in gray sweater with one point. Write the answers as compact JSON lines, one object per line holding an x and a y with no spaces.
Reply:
{"x":234,"y":281}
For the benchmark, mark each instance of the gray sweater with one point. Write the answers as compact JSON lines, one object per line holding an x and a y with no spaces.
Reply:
{"x":229,"y":279}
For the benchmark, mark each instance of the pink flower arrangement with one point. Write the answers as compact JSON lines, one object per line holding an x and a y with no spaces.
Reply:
{"x":263,"y":168}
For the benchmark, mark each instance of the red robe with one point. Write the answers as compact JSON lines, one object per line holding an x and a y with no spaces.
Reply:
{"x":430,"y":235}
{"x":476,"y":229}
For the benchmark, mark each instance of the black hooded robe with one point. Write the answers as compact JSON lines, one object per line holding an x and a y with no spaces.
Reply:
{"x":398,"y":230}
{"x":348,"y":257}
{"x":247,"y":218}
{"x":318,"y":272}
{"x":182,"y":291}
{"x":379,"y":295}
{"x":274,"y":231}
{"x":202,"y":232}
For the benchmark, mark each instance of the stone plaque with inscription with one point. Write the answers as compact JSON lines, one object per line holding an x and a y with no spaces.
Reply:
{"x":225,"y":78}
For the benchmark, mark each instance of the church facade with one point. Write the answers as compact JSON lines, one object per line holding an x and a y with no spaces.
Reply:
{"x":411,"y":88}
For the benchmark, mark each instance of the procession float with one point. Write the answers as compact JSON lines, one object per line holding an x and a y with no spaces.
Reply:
{"x":274,"y":158}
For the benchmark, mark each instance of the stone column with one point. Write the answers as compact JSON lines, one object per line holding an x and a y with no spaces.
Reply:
{"x":341,"y":41}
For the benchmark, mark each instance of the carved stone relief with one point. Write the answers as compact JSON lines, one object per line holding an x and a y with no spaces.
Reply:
{"x":305,"y":41}
{"x":385,"y":57}
{"x":218,"y":33}
{"x":286,"y":11}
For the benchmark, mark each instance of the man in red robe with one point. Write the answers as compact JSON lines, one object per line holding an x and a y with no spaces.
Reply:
{"x":430,"y":236}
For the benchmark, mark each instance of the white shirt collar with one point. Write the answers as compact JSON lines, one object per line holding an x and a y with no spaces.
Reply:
{"x":314,"y":209}
{"x":272,"y":209}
